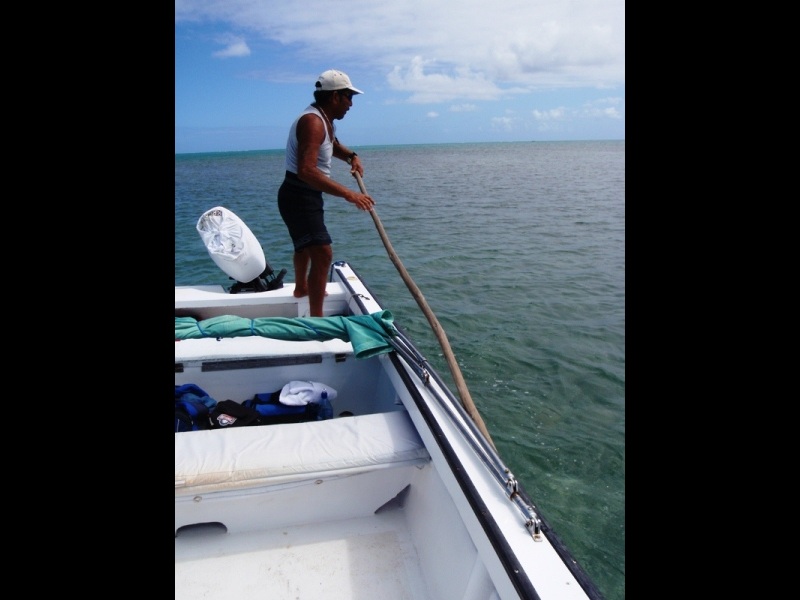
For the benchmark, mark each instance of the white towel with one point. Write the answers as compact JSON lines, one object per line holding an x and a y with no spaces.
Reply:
{"x":299,"y":393}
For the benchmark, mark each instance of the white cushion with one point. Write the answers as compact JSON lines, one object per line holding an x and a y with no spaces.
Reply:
{"x":244,"y":457}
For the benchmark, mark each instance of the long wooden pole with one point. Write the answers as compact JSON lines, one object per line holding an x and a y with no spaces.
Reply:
{"x":455,"y":371}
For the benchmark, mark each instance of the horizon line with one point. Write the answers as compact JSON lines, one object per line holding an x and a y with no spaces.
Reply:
{"x":414,"y":144}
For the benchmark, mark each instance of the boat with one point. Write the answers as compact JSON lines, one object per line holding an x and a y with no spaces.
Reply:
{"x":390,"y":488}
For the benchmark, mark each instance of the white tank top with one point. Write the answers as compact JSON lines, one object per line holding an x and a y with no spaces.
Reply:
{"x":325,"y":150}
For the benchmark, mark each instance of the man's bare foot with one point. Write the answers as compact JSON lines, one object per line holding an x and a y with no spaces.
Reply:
{"x":297,"y":293}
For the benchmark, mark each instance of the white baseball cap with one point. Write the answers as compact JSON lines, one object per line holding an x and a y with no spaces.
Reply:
{"x":335,"y":80}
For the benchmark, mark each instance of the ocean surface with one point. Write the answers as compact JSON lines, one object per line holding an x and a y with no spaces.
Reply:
{"x":519,"y":250}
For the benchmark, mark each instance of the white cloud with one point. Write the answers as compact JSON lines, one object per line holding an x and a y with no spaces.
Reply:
{"x":439,"y":87}
{"x":503,"y":123}
{"x":234,"y":47}
{"x":463,"y":108}
{"x":600,"y":108}
{"x":442,"y":50}
{"x":553,"y":114}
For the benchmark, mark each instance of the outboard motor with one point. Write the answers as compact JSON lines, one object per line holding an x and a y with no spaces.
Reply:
{"x":235,"y":250}
{"x":263,"y":283}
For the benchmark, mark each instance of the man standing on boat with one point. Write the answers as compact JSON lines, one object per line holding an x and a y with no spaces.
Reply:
{"x":310,"y":147}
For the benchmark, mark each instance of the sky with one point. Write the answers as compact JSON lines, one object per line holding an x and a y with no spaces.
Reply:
{"x":432,"y":71}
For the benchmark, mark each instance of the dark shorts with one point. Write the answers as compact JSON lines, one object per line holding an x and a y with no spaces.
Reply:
{"x":302,"y":209}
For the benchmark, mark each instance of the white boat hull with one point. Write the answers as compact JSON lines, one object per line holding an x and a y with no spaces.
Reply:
{"x":404,"y":499}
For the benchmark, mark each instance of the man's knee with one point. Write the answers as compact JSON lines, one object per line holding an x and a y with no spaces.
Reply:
{"x":321,"y":253}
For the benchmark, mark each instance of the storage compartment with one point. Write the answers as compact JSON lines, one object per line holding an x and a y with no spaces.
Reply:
{"x":238,"y":368}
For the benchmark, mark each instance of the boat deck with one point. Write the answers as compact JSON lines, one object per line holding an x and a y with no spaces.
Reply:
{"x":206,"y":301}
{"x":365,"y":558}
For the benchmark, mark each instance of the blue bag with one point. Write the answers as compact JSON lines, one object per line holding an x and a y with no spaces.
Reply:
{"x":269,"y":406}
{"x":193,"y":407}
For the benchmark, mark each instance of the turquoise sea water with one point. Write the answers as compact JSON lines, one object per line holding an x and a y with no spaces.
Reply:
{"x":519,"y":250}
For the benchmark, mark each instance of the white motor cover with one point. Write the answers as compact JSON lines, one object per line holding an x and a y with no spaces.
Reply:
{"x":231,"y":244}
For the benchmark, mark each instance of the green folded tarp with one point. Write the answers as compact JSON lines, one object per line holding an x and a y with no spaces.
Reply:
{"x":369,"y":334}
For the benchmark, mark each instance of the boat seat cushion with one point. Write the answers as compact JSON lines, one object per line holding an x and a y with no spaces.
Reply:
{"x":245,"y":457}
